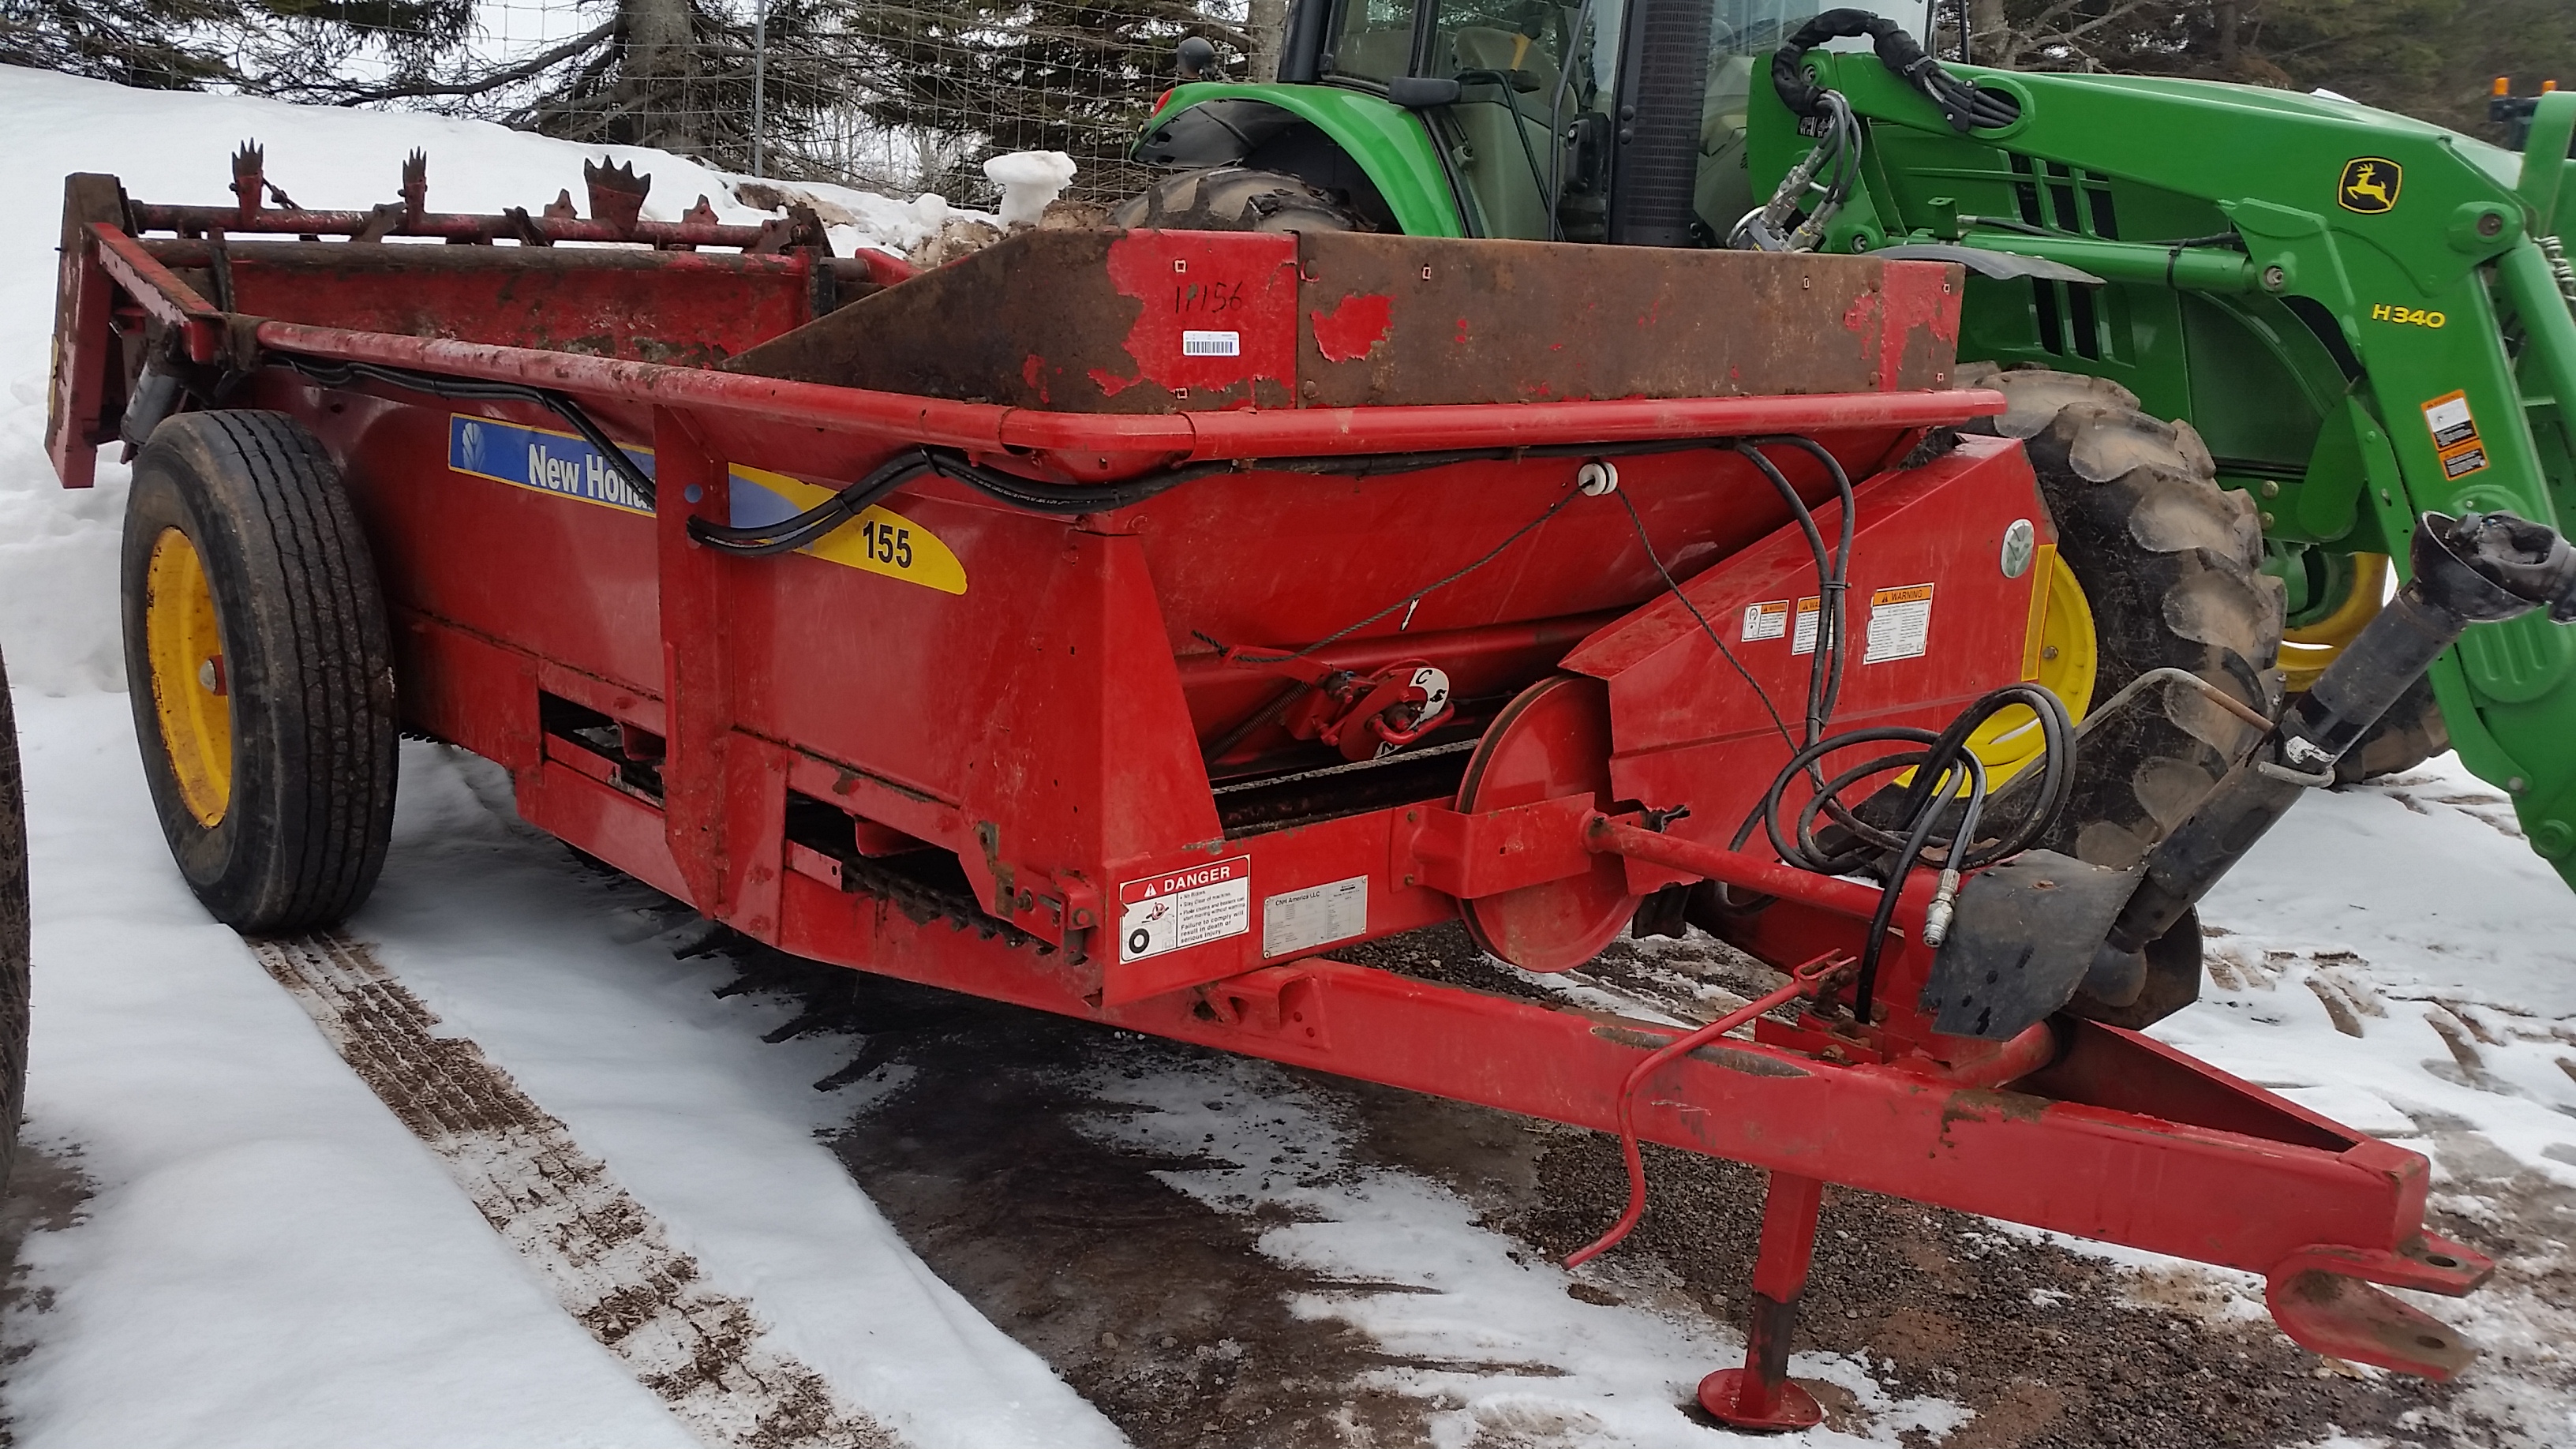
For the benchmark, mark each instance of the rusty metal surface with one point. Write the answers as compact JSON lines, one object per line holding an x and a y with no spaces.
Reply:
{"x":1393,"y":320}
{"x":691,"y":309}
{"x":1081,"y":321}
{"x":1100,"y":322}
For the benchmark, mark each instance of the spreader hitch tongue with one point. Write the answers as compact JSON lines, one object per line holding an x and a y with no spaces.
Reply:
{"x":2473,"y":569}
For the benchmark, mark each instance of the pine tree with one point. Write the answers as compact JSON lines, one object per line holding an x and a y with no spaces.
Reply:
{"x":156,"y":44}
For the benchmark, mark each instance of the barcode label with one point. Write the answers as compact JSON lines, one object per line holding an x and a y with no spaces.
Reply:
{"x":1211,"y":344}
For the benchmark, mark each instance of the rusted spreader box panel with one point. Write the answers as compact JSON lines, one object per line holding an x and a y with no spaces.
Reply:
{"x":1150,"y":322}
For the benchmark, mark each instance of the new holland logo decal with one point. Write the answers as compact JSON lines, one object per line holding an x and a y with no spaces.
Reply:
{"x":2370,"y":184}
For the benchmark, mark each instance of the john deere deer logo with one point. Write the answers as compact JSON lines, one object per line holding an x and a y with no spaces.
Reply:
{"x":2370,"y":184}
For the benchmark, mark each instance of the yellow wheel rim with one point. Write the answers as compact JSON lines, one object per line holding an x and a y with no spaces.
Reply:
{"x":2305,"y":653}
{"x":191,"y":691}
{"x":2058,"y":655}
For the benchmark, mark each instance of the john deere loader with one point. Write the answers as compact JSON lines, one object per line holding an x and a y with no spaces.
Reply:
{"x":2249,"y":336}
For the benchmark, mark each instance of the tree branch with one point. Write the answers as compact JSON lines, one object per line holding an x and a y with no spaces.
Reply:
{"x":524,"y":70}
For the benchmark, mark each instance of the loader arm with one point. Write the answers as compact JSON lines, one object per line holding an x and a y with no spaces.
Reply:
{"x":2362,"y":314}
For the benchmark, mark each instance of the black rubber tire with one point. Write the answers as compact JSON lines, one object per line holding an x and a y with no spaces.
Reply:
{"x":2409,"y":734}
{"x":309,"y":663}
{"x":2171,"y":565}
{"x":16,"y":986}
{"x":1235,"y":198}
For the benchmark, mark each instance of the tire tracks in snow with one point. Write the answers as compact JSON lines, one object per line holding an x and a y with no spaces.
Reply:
{"x":608,"y":1260}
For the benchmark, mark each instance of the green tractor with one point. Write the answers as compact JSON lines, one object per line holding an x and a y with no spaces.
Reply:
{"x":2248,"y":335}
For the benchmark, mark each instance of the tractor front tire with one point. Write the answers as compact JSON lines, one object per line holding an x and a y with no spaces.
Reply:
{"x":2170,"y":564}
{"x":1235,"y":198}
{"x":260,"y":670}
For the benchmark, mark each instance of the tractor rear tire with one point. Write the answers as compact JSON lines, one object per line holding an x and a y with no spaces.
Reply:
{"x":15,"y":940}
{"x":2170,"y":564}
{"x":1235,"y":198}
{"x":260,"y":670}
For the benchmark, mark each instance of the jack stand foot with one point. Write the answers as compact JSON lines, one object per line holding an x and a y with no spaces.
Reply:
{"x":1760,"y":1395}
{"x":1723,"y":1395}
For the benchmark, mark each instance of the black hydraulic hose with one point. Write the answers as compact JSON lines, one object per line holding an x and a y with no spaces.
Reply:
{"x":1944,"y":768}
{"x":1825,"y":664}
{"x":1964,"y":106}
{"x":790,"y":534}
{"x":1040,"y":497}
{"x":1005,"y":487}
{"x":341,"y":374}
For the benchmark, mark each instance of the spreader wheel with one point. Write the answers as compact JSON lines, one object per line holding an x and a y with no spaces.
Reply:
{"x":260,"y":669}
{"x":14,"y":942}
{"x":2169,"y":564}
{"x":1551,"y":741}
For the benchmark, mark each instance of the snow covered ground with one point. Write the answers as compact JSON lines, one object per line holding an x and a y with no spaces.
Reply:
{"x":270,"y":1255}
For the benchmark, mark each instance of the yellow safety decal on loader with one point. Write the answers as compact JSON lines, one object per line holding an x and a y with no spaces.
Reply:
{"x":2455,"y":435}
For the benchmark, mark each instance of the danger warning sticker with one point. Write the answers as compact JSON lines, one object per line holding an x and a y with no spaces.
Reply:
{"x":1900,"y":624}
{"x":2455,"y":435}
{"x":1767,"y":620}
{"x":1183,"y":908}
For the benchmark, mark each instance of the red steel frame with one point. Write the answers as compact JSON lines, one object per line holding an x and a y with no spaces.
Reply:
{"x":2117,"y":1138}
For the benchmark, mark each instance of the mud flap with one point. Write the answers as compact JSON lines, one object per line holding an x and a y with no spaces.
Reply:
{"x":2025,"y":934}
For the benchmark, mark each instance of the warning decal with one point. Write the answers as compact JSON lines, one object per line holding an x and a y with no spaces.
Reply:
{"x":1766,"y":620}
{"x":1900,"y":624}
{"x":1183,"y":908}
{"x":2455,"y":435}
{"x":1809,"y":612}
{"x":1303,"y":920}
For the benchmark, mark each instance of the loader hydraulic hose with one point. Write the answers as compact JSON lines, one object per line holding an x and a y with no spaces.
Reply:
{"x":1966,"y":107}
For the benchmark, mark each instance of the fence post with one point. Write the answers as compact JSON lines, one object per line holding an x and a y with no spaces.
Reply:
{"x":759,"y":75}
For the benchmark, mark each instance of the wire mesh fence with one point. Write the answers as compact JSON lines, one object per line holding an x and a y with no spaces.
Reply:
{"x":898,"y":96}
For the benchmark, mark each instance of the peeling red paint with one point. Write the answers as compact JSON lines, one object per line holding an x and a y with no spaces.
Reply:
{"x":1234,"y":288}
{"x":1354,"y":328}
{"x":1033,"y":373}
{"x":1912,"y":295}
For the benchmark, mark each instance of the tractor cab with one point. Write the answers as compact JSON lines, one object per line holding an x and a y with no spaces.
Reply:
{"x":1601,"y":121}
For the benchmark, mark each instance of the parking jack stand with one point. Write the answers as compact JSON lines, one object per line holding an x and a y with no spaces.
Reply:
{"x":1760,"y":1395}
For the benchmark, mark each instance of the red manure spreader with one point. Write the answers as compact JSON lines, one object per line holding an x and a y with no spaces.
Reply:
{"x":1124,"y":623}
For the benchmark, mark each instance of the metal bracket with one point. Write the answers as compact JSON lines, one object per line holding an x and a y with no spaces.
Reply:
{"x":1274,"y":1001}
{"x":2322,"y":1296}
